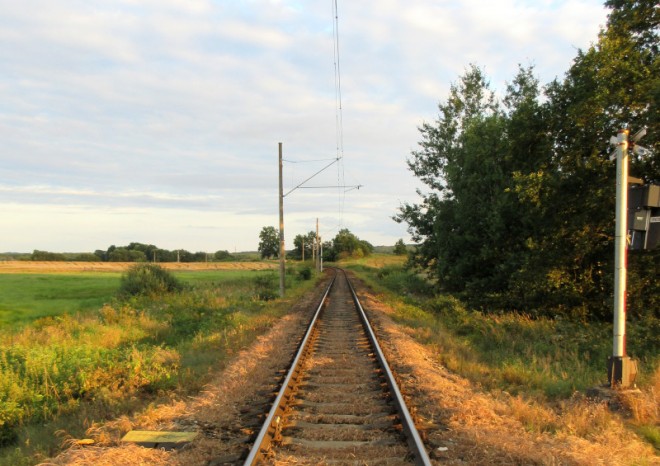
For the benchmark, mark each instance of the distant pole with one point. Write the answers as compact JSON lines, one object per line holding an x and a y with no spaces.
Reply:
{"x":303,"y":250}
{"x":621,"y":369}
{"x":318,"y":255}
{"x":321,"y":255}
{"x":281,"y":225}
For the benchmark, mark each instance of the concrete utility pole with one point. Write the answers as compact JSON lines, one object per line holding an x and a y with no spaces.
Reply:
{"x":621,"y":370}
{"x":318,"y":247}
{"x":282,"y":252}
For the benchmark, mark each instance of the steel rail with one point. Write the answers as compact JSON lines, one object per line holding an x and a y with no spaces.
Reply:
{"x":272,"y":422}
{"x":412,"y":436}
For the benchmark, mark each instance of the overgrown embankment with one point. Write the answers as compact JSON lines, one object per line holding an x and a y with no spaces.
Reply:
{"x":68,"y":371}
{"x":542,"y":359}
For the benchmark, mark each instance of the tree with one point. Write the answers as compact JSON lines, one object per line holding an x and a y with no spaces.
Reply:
{"x":346,"y":244}
{"x":308,"y":242}
{"x":400,"y":248}
{"x":269,"y":242}
{"x":520,"y":193}
{"x":223,"y":256}
{"x":126,"y":255}
{"x":47,"y":256}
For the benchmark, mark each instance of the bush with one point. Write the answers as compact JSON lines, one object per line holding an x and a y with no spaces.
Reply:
{"x":266,"y":286}
{"x":305,"y":273}
{"x":148,"y":279}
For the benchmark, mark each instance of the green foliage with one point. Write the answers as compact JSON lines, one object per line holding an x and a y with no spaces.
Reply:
{"x":223,"y":256}
{"x":47,"y":256}
{"x":346,"y":245}
{"x":269,"y":243}
{"x":266,"y":286}
{"x":126,"y":255}
{"x":519,"y":212}
{"x":403,"y":282}
{"x":400,"y":248}
{"x":134,"y":349}
{"x":307,"y":241}
{"x":148,"y":279}
{"x":305,"y":273}
{"x":551,"y":358}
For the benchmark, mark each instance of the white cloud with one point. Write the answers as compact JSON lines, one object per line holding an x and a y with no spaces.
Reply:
{"x":172,"y":109}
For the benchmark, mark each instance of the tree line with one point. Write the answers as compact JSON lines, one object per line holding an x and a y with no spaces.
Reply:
{"x":518,"y":210}
{"x":135,"y":252}
{"x":344,"y":245}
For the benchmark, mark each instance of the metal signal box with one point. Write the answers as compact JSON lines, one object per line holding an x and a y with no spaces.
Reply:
{"x":641,"y":220}
{"x":643,"y":216}
{"x":652,"y":195}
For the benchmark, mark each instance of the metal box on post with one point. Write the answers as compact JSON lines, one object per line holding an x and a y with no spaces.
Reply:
{"x":652,"y":195}
{"x":641,"y":220}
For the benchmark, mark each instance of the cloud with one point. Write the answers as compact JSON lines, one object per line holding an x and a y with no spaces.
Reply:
{"x":173,"y":108}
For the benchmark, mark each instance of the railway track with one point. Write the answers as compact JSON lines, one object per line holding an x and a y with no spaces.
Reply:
{"x":339,"y":403}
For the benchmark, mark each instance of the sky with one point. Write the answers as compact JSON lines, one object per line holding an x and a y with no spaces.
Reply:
{"x":158,"y":121}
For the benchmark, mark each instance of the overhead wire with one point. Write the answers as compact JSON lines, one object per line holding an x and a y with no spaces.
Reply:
{"x":339,"y":123}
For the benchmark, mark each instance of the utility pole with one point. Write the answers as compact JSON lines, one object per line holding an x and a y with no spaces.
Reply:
{"x":281,"y":199}
{"x":621,"y":370}
{"x":303,"y":250}
{"x":318,"y":248}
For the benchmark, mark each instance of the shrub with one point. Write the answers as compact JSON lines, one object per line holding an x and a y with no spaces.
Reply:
{"x":305,"y":273}
{"x":148,"y":279}
{"x":266,"y":286}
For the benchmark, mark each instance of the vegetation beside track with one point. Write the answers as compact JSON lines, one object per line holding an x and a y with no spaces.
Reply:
{"x":542,"y":360}
{"x":65,"y":372}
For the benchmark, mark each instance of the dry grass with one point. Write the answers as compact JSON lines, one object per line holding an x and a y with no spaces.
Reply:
{"x":460,"y":423}
{"x":75,"y":267}
{"x":215,"y":411}
{"x":478,"y":427}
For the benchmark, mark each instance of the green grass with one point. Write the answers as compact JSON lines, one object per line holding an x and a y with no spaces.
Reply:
{"x":66,"y":371}
{"x":507,"y":351}
{"x":26,"y":297}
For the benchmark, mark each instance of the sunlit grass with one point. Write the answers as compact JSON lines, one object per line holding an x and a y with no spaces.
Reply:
{"x":534,"y":361}
{"x":69,"y":370}
{"x":25,"y":297}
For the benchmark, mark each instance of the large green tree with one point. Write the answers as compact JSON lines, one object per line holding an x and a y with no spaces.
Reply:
{"x":519,"y":201}
{"x":269,"y":242}
{"x":346,"y":244}
{"x":470,"y":225}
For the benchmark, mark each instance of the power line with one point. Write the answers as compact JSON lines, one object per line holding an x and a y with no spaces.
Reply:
{"x":308,"y":161}
{"x":339,"y":118}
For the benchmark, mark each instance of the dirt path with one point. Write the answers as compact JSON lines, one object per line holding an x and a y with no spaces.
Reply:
{"x":460,"y":423}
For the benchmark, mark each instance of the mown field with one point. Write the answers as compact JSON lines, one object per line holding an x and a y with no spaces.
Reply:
{"x":73,"y":353}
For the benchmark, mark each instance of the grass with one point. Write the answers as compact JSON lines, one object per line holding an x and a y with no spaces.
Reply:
{"x":67,"y":371}
{"x":26,"y":297}
{"x":539,"y":362}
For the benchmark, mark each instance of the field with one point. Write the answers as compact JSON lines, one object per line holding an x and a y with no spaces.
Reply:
{"x":31,"y":290}
{"x":72,"y":353}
